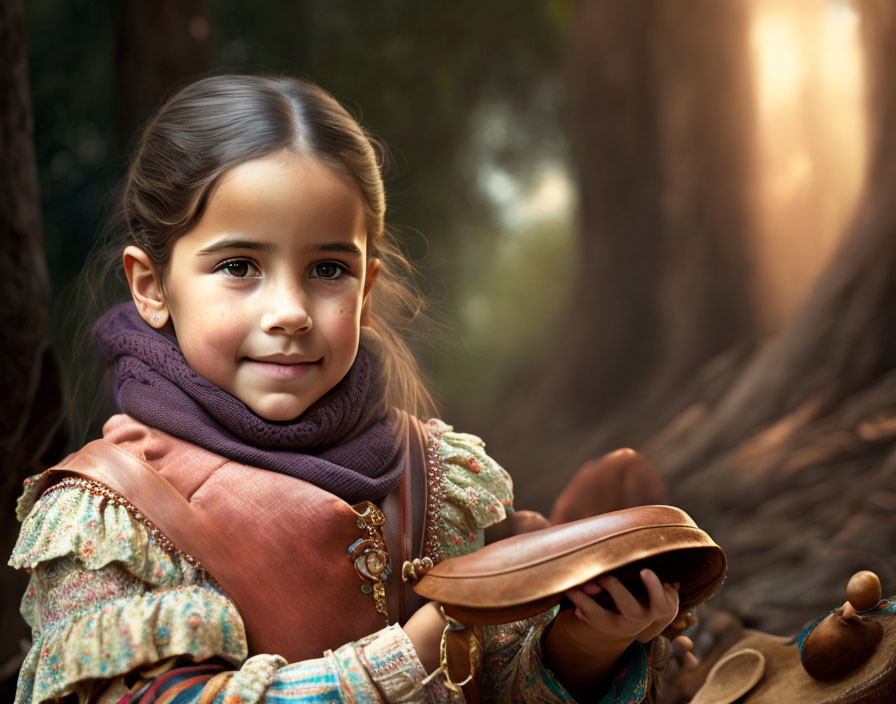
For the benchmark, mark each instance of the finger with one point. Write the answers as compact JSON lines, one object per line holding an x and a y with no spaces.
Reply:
{"x":689,"y":662}
{"x":586,"y":608}
{"x":681,"y":646}
{"x":672,"y":600}
{"x":656,"y":590}
{"x":660,"y":614}
{"x":663,"y":599}
{"x":592,"y":588}
{"x":589,"y":611}
{"x":625,"y":601}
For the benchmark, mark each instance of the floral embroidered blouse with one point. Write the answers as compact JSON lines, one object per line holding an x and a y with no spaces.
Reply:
{"x":105,"y":600}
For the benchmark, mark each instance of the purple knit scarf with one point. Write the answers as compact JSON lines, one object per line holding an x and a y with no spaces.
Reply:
{"x":343,"y":443}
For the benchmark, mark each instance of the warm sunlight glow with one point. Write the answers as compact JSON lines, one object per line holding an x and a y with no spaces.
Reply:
{"x":810,"y":100}
{"x":780,"y":59}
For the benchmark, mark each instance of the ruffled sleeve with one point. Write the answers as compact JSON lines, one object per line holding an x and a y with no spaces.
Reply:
{"x":108,"y":596}
{"x":476,"y":491}
{"x":104,"y":596}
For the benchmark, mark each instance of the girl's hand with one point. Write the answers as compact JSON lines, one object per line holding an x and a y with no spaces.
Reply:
{"x":682,"y":656}
{"x":584,"y":643}
{"x":634,"y":620}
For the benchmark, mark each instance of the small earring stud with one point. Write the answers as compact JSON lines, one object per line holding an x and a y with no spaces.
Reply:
{"x":155,"y":319}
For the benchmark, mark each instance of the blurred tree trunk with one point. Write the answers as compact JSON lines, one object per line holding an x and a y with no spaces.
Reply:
{"x":30,"y":413}
{"x":793,"y":469}
{"x":661,"y":131}
{"x":162,"y":44}
{"x":845,"y":336}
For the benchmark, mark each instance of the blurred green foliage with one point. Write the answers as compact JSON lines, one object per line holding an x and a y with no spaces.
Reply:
{"x":456,"y":90}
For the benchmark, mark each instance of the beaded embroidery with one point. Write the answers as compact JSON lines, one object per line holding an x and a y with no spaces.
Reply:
{"x":99,"y":489}
{"x":432,"y":550}
{"x":435,"y":493}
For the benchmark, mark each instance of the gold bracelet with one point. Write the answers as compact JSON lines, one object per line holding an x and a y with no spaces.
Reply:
{"x":457,"y":637}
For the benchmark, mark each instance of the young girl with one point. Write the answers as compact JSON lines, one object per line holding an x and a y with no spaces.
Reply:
{"x":238,"y":533}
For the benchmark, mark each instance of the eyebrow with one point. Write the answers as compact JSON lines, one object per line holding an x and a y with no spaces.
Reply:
{"x":235,"y":243}
{"x":347,"y":247}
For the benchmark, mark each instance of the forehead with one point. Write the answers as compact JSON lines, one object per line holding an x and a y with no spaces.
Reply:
{"x":286,"y":197}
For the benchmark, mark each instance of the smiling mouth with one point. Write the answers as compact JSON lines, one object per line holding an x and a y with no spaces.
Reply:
{"x":282,"y":370}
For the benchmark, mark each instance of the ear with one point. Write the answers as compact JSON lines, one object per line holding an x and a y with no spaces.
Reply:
{"x":146,"y":286}
{"x":373,"y":270}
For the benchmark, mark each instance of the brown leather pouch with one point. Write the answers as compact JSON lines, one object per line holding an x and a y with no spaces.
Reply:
{"x":522,"y":576}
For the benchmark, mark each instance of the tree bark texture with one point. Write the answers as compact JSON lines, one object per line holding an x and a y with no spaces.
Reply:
{"x":30,"y":412}
{"x":662,"y":133}
{"x":844,"y":338}
{"x":793,"y":468}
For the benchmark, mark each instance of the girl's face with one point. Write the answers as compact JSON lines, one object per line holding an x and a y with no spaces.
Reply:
{"x":265,"y":294}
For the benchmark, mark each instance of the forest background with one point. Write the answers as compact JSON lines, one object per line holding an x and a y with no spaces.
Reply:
{"x":660,"y":224}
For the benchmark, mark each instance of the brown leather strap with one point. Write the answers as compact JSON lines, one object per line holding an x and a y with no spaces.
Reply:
{"x":144,"y":487}
{"x":276,"y":544}
{"x":417,"y":497}
{"x":406,"y":539}
{"x":391,"y":507}
{"x":417,"y":441}
{"x":405,"y":510}
{"x":395,"y":534}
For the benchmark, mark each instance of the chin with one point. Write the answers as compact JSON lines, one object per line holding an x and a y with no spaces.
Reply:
{"x":279,"y":413}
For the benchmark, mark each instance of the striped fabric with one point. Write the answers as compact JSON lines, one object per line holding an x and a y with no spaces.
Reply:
{"x":177,"y":686}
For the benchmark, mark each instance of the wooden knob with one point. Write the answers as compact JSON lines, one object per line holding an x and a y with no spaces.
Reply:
{"x":863,"y":590}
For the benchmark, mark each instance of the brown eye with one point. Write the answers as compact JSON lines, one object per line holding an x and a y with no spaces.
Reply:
{"x":238,"y":268}
{"x":327,"y":270}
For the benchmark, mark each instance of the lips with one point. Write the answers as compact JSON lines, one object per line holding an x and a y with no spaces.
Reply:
{"x":282,"y":367}
{"x":285,"y":359}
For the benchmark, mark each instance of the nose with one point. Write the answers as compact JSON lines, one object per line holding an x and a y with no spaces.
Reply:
{"x":287,"y":313}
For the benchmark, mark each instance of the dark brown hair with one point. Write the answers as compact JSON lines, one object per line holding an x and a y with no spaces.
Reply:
{"x":220,"y":122}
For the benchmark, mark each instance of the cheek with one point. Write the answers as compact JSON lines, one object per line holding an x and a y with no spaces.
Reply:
{"x":209,"y":339}
{"x":345,"y":310}
{"x":349,"y":310}
{"x":346,"y":325}
{"x":343,"y":326}
{"x":222,"y":328}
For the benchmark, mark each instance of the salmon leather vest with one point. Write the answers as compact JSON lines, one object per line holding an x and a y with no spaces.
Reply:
{"x":286,"y":552}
